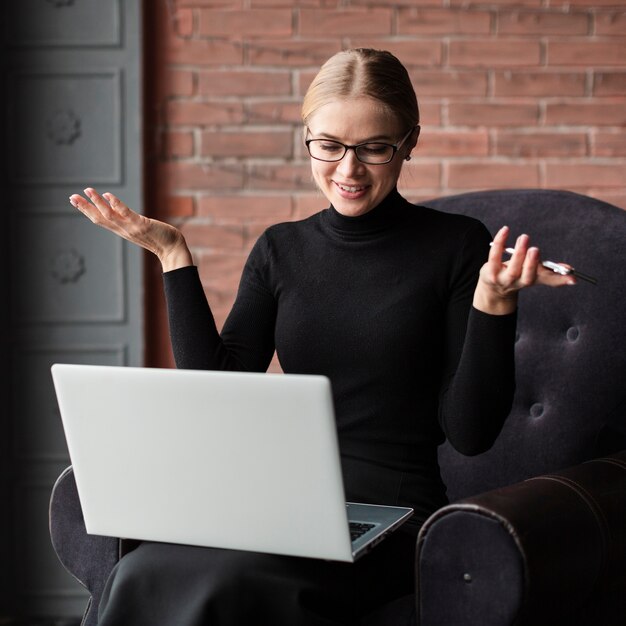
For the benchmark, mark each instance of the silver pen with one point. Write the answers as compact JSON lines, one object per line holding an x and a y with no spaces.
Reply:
{"x":560,"y":269}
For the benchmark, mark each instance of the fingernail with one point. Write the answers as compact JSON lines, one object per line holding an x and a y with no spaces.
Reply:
{"x":72,"y":202}
{"x":87,"y":191}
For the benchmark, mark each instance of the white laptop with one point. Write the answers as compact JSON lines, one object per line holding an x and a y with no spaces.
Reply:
{"x":235,"y":460}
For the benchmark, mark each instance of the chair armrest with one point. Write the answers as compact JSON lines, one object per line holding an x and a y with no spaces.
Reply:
{"x":530,"y":553}
{"x":88,"y":558}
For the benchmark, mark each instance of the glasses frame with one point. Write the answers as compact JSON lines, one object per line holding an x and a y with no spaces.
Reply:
{"x":346,"y":147}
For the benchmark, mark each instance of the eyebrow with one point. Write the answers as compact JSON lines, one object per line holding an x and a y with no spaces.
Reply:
{"x":376,"y":139}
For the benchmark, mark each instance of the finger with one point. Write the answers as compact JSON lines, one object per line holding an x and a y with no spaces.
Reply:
{"x":101,"y":204}
{"x":546,"y":276}
{"x":498,"y":245}
{"x":85,"y":207}
{"x":516,"y":262}
{"x":117,"y":205}
{"x":530,"y":267}
{"x":95,"y":213}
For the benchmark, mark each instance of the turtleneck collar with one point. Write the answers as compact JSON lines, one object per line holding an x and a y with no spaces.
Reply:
{"x":381,"y":218}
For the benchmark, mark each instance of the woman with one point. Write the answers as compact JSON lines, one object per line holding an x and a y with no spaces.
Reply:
{"x":407,"y":310}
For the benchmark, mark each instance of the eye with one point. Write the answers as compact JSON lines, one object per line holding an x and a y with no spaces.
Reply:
{"x":374,"y":149}
{"x":329,"y":147}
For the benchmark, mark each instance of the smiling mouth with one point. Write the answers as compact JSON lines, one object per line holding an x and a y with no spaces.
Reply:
{"x":351,"y":188}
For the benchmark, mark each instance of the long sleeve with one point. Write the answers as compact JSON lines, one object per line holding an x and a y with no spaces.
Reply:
{"x":247,"y":339}
{"x":479,"y":398}
{"x":480,"y":371}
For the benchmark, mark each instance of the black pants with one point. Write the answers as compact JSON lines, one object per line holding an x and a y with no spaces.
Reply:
{"x":163,"y":584}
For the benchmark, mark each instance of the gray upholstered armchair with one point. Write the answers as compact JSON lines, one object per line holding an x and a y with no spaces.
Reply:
{"x":536,"y":532}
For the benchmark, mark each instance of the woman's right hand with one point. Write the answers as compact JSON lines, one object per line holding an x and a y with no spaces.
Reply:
{"x":162,"y":239}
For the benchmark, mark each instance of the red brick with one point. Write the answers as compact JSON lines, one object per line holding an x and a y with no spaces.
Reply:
{"x":275,"y":111}
{"x":183,"y":20}
{"x":430,"y":113}
{"x":411,"y":52}
{"x":177,"y":144}
{"x":490,"y":175}
{"x":586,"y":113}
{"x":177,"y":83}
{"x":544,"y":144}
{"x":607,"y":144}
{"x":253,"y":232}
{"x":308,"y":204}
{"x":246,"y":208}
{"x":434,"y":21}
{"x":179,"y":206}
{"x":183,"y":112}
{"x":593,"y":4}
{"x":304,"y":79}
{"x":419,"y":173}
{"x":448,"y":83}
{"x":288,"y":177}
{"x":609,"y":84}
{"x":286,"y":53}
{"x":181,"y":175}
{"x":247,"y":144}
{"x":539,"y":84}
{"x":585,"y":174}
{"x":203,"y":52}
{"x":496,"y":114}
{"x":391,"y":3}
{"x":221,"y":300}
{"x":452,"y":143}
{"x":244,"y":83}
{"x":536,"y":23}
{"x":587,"y":53}
{"x":344,"y":22}
{"x":233,"y":4}
{"x":612,"y":23}
{"x":291,"y":3}
{"x":496,"y":3}
{"x":249,"y":22}
{"x":494,"y":53}
{"x":221,"y":272}
{"x":201,"y":235}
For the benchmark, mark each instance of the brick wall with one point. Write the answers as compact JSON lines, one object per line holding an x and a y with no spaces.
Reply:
{"x":525,"y":93}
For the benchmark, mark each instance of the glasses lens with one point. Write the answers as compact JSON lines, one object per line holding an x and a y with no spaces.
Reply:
{"x":326,"y":150}
{"x":375,"y":153}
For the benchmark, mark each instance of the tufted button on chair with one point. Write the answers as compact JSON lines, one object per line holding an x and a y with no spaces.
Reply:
{"x":535,"y":534}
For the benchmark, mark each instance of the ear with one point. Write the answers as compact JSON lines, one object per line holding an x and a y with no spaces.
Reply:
{"x":414,"y":137}
{"x":412,"y":142}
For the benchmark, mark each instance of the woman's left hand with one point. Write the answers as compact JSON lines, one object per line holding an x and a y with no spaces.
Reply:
{"x":500,"y":281}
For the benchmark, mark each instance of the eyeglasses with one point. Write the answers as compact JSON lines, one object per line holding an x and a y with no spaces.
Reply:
{"x":370,"y":152}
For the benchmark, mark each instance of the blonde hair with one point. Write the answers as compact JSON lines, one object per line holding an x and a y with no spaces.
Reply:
{"x":364,"y":72}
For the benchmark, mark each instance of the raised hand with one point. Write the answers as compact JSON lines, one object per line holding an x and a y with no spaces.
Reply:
{"x":500,"y":281}
{"x":162,"y":239}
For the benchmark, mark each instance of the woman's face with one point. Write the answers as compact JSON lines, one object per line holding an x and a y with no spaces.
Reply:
{"x":352,"y":187}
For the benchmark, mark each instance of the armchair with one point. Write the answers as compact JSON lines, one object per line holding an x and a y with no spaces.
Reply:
{"x":536,"y":530}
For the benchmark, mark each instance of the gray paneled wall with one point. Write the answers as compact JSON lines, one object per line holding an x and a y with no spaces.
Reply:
{"x":71,"y":292}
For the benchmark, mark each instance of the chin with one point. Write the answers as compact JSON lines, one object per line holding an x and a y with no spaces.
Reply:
{"x":352,"y":208}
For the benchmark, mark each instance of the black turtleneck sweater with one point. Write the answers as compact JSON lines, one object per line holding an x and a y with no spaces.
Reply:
{"x":381,"y":304}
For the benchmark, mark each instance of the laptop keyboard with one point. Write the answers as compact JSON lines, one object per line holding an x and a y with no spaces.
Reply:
{"x":358,"y":529}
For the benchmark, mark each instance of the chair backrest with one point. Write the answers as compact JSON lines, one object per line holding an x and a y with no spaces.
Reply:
{"x":570,"y":351}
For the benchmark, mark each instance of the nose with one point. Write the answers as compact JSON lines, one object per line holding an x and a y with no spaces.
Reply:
{"x":349,"y":165}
